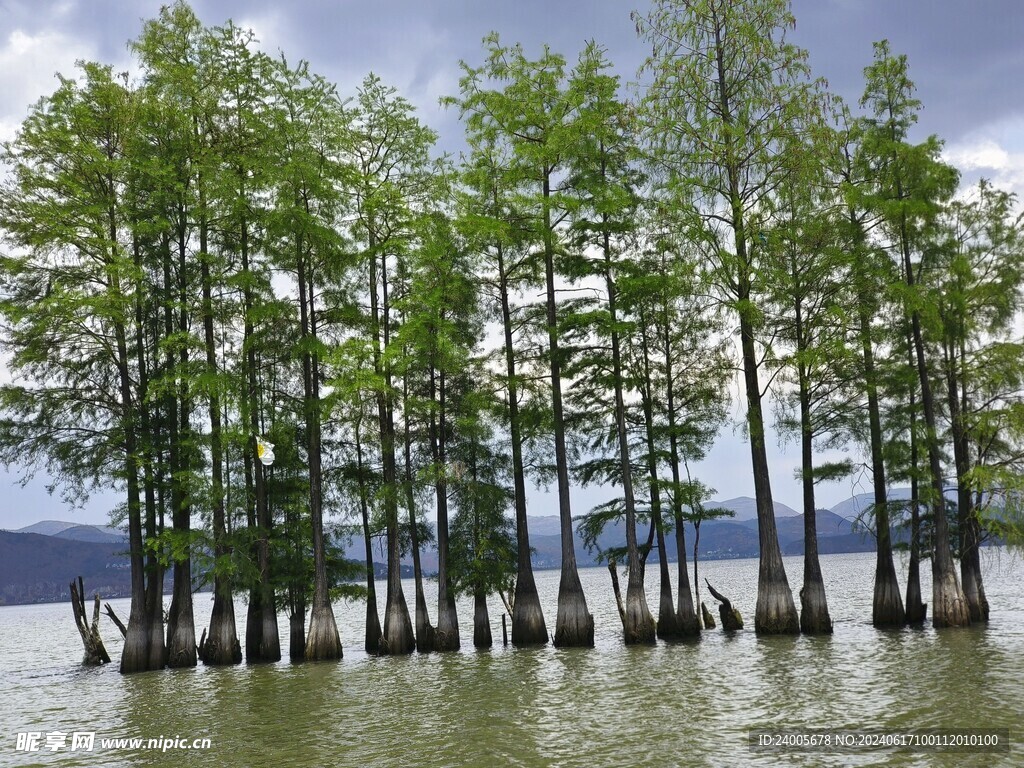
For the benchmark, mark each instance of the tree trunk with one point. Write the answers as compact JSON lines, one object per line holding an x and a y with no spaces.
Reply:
{"x":775,"y":613}
{"x":949,"y":607}
{"x":446,"y":637}
{"x":814,"y":616}
{"x":640,"y":626}
{"x":265,"y":632}
{"x":967,"y":520}
{"x":686,"y":614}
{"x":696,"y":578}
{"x":181,"y":628}
{"x":222,"y":646}
{"x":916,"y":610}
{"x":398,"y":634}
{"x":574,"y":625}
{"x":613,"y":570}
{"x":373,"y":635}
{"x":731,"y":619}
{"x":425,"y":634}
{"x":887,"y":604}
{"x":481,"y":621}
{"x":297,"y":635}
{"x":135,"y":656}
{"x":528,"y":625}
{"x":322,"y":641}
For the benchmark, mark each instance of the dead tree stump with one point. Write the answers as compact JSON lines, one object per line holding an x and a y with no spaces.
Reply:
{"x":95,"y":653}
{"x":709,"y":619}
{"x":117,"y":621}
{"x":731,"y":619}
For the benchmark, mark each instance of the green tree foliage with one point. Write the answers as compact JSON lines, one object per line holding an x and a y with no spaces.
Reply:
{"x":727,"y":94}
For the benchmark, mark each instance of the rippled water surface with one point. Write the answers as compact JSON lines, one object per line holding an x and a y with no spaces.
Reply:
{"x":687,"y":704}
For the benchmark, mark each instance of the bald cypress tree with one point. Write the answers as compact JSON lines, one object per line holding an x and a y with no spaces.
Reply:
{"x":529,"y":106}
{"x":71,"y":300}
{"x":727,"y":91}
{"x":910,"y":186}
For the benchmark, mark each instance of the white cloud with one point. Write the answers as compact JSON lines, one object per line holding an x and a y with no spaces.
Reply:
{"x":995,"y":152}
{"x":28,"y":66}
{"x":983,"y":155}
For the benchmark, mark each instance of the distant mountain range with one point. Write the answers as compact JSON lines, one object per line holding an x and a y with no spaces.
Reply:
{"x":37,"y":568}
{"x":38,"y":562}
{"x":99,"y":534}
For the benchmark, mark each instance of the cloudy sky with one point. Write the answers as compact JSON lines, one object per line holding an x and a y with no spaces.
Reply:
{"x":966,"y":59}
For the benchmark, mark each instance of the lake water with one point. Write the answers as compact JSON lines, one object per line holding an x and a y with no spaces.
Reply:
{"x":687,"y":704}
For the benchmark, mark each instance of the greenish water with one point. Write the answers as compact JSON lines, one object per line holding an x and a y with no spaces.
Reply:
{"x":688,"y":704}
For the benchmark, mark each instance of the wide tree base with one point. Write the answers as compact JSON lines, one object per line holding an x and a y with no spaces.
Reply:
{"x":398,"y":637}
{"x":221,"y":650}
{"x":262,"y":640}
{"x":917,"y":611}
{"x":481,"y":622}
{"x":181,"y":646}
{"x":775,"y":613}
{"x":528,"y":625}
{"x":446,"y":636}
{"x":814,"y":616}
{"x":949,"y":606}
{"x":574,"y":625}
{"x":887,"y":607}
{"x":640,"y":628}
{"x":323,"y":642}
{"x":974,"y":593}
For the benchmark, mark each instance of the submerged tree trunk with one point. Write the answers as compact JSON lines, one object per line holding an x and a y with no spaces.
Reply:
{"x":574,"y":625}
{"x":221,"y":646}
{"x":265,"y":632}
{"x":887,"y":604}
{"x":373,"y":634}
{"x":917,"y":611}
{"x":446,"y":638}
{"x":398,"y":633}
{"x":528,"y":625}
{"x":814,"y":616}
{"x":425,"y":634}
{"x":967,"y":520}
{"x":181,"y":629}
{"x":481,"y":621}
{"x":775,"y":613}
{"x":640,"y":626}
{"x":949,"y":607}
{"x":696,"y":578}
{"x":668,"y":624}
{"x":322,"y":642}
{"x":297,"y":635}
{"x":686,"y":614}
{"x":135,"y":654}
